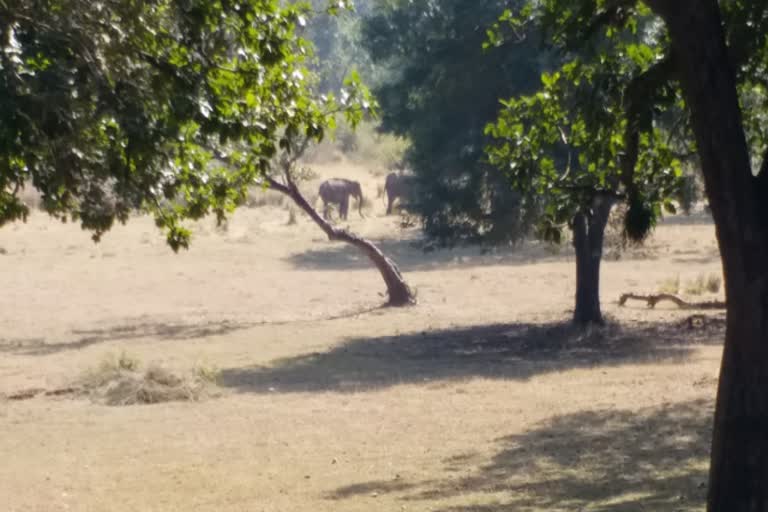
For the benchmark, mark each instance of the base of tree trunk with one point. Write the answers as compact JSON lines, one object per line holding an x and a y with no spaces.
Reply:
{"x":401,"y":300}
{"x":585,"y":319}
{"x":652,"y":300}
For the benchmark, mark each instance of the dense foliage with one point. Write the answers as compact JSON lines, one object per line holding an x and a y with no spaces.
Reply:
{"x":440,"y":90}
{"x":112,"y":106}
{"x":568,"y":143}
{"x":337,"y":39}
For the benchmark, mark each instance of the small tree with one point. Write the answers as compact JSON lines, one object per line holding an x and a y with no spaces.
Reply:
{"x":285,"y":180}
{"x":566,"y":144}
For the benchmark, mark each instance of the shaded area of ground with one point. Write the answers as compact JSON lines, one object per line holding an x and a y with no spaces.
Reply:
{"x":697,"y":218}
{"x":155,"y":330}
{"x":161,"y":331}
{"x":604,"y":460}
{"x":411,"y":254}
{"x":502,"y":351}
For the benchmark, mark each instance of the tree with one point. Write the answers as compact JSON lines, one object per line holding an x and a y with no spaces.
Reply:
{"x":108,"y":107}
{"x":398,"y":291}
{"x":718,"y":55}
{"x":566,"y":145}
{"x":336,"y":37}
{"x":439,"y":90}
{"x":111,"y":107}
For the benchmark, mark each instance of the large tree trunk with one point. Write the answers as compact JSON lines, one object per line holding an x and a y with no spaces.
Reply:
{"x":398,"y":290}
{"x":588,"y":237}
{"x":739,"y":203}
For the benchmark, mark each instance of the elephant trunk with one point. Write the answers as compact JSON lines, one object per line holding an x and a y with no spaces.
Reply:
{"x":360,"y":204}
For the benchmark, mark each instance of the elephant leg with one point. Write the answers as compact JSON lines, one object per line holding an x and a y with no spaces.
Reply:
{"x":344,"y":208}
{"x":326,"y":211}
{"x":390,"y":201}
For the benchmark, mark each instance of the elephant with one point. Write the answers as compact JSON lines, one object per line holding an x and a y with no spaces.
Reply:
{"x":337,"y":191}
{"x":397,"y":186}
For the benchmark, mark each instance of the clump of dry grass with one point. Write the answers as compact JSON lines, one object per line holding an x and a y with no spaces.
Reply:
{"x":704,"y":283}
{"x":670,"y":286}
{"x":119,"y":381}
{"x":259,"y":197}
{"x":713,"y":283}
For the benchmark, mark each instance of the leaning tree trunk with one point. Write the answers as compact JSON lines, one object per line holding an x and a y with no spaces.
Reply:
{"x":739,"y":202}
{"x":398,"y":290}
{"x":588,"y":237}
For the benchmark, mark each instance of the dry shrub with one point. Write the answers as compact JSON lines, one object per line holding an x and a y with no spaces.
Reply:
{"x":118,"y":381}
{"x":713,"y":283}
{"x":704,"y":283}
{"x":259,"y":197}
{"x":670,"y":286}
{"x":696,"y":287}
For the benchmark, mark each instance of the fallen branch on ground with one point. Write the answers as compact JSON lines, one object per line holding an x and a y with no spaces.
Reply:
{"x":652,"y":300}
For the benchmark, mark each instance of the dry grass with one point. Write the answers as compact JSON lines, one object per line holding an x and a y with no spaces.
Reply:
{"x":670,"y":285}
{"x":259,"y":197}
{"x":475,"y":400}
{"x":364,"y":146}
{"x":119,"y":381}
{"x":712,"y":283}
{"x":700,"y":285}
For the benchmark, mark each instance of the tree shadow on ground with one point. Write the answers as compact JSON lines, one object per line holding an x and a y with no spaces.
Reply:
{"x":502,"y":351}
{"x":697,"y":218}
{"x":155,"y":330}
{"x":83,"y":338}
{"x":604,"y":460}
{"x":410,"y":255}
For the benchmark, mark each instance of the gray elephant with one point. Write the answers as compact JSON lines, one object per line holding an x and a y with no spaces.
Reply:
{"x":397,"y":186}
{"x":337,"y":191}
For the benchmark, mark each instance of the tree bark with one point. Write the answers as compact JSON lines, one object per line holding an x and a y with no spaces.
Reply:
{"x":398,"y":290}
{"x":588,"y":237}
{"x":739,"y":202}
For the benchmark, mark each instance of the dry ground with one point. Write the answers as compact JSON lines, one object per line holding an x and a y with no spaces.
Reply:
{"x":476,"y":400}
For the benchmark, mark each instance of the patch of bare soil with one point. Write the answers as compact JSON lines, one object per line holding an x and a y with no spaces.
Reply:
{"x":480,"y":399}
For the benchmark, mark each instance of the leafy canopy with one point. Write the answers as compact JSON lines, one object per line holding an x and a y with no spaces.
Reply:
{"x":111,"y":106}
{"x":588,"y":132}
{"x":440,"y":88}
